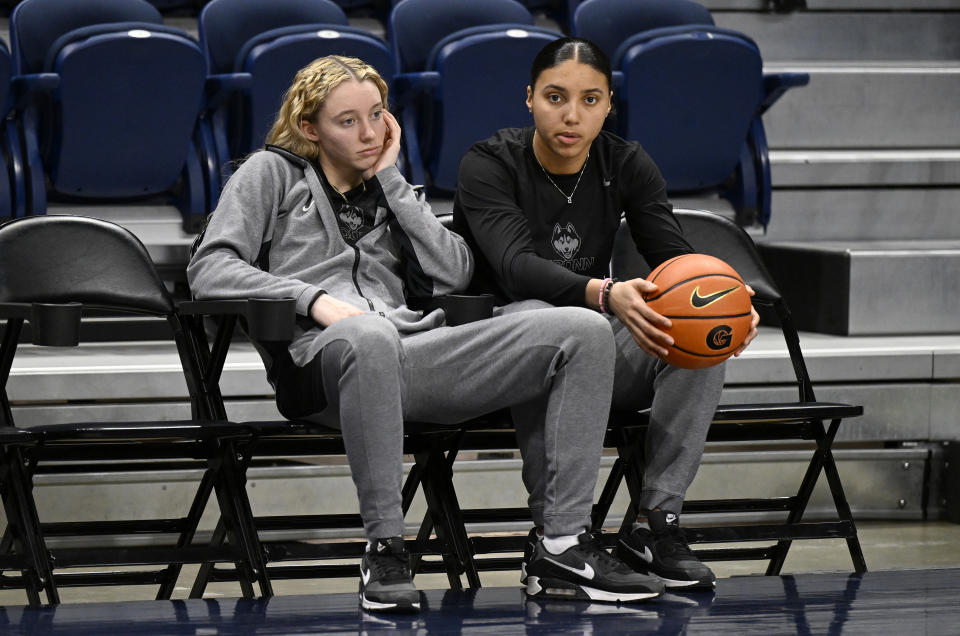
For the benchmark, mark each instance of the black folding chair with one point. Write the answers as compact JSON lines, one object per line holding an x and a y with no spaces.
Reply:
{"x":269,"y":323}
{"x":54,"y":268}
{"x":805,"y":419}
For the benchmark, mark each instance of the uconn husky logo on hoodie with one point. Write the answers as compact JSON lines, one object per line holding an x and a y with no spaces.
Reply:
{"x":566,"y":243}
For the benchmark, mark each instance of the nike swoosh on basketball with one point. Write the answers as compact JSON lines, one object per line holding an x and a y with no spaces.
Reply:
{"x":587,"y":571}
{"x":699,"y":301}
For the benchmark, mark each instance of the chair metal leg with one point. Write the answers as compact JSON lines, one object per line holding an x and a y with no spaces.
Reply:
{"x":822,"y":455}
{"x":843,"y":510}
{"x":239,"y":522}
{"x":610,"y":487}
{"x":203,"y":576}
{"x":444,"y":509}
{"x":192,"y":521}
{"x":414,"y":480}
{"x":23,"y":512}
{"x":631,"y":451}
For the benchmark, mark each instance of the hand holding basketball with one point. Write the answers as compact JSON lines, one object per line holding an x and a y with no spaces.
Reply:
{"x":647,"y":326}
{"x":708,"y":305}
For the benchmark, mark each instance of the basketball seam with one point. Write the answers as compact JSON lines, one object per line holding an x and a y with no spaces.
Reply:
{"x":664,"y":264}
{"x":706,"y":317}
{"x":700,"y":355}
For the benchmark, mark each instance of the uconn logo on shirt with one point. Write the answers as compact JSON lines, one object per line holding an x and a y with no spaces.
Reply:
{"x":350,"y":219}
{"x":566,"y":243}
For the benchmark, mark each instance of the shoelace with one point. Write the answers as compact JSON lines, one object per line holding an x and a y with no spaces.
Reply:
{"x":389,"y":565}
{"x":595,"y":546}
{"x":678,"y":542}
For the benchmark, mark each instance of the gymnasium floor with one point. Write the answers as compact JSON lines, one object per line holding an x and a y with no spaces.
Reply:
{"x":913,"y":587}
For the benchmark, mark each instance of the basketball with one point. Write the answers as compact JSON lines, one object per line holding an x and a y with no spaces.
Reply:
{"x":708,"y":304}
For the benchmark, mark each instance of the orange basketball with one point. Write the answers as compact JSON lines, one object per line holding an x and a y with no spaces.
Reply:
{"x":708,"y":304}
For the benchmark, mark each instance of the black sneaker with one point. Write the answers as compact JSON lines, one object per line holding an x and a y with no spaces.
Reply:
{"x":664,"y":552}
{"x":385,"y":581}
{"x":533,"y":538}
{"x":586,"y":571}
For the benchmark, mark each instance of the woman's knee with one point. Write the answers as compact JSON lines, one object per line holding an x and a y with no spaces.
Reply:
{"x":368,"y":336}
{"x":586,"y":325}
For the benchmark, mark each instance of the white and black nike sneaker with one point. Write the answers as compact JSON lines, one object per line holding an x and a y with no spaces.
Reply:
{"x":663,"y":551}
{"x":586,"y":571}
{"x":385,"y":581}
{"x":533,"y":538}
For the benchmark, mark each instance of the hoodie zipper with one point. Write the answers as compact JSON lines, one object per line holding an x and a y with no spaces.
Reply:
{"x":356,"y":282}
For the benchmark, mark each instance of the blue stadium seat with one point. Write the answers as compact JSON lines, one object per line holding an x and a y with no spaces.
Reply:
{"x":254,"y":49}
{"x":693,"y":94}
{"x":611,"y":22}
{"x":11,"y":163}
{"x":462,"y":71}
{"x":108,"y":99}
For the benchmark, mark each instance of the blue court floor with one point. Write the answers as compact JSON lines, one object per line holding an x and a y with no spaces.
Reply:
{"x":912,"y":602}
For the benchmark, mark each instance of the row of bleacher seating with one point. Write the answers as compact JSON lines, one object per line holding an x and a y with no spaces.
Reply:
{"x":109,"y":103}
{"x":100,"y":265}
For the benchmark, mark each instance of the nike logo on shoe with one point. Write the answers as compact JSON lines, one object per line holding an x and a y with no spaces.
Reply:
{"x":586,"y":572}
{"x":699,"y":301}
{"x":365,"y":575}
{"x":646,"y":555}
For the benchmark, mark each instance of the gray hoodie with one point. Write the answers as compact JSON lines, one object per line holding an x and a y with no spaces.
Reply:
{"x":274,"y":235}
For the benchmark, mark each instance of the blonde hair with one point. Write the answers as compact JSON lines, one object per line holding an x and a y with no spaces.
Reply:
{"x":305,"y":97}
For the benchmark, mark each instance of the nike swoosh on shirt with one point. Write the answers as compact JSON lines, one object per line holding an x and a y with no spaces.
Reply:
{"x":587,"y":571}
{"x":308,"y":206}
{"x":699,"y":301}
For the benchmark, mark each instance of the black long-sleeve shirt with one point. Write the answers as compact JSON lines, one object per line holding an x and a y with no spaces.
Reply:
{"x":537,"y":245}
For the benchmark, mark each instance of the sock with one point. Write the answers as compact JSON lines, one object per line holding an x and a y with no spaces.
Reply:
{"x":556,"y":545}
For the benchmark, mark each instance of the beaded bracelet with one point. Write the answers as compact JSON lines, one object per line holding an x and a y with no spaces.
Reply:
{"x":604,"y":295}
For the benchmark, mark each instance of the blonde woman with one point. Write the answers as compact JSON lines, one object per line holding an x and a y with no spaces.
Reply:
{"x":322,"y":215}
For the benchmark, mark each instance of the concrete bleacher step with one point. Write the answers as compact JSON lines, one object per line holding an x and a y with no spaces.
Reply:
{"x":907,"y":31}
{"x":840,"y":167}
{"x":869,"y":287}
{"x":910,"y":385}
{"x":897,"y":104}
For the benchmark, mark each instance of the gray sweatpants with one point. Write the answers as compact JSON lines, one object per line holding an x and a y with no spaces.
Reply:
{"x":681,"y":401}
{"x":562,"y":358}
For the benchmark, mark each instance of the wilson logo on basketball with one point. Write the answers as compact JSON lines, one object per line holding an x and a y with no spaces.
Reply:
{"x":720,"y":337}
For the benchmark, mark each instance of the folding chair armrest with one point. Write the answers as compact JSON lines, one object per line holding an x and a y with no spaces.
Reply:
{"x":24,"y":88}
{"x":52,"y":324}
{"x":221,"y":86}
{"x":459,"y":309}
{"x":268,"y":319}
{"x":776,"y":84}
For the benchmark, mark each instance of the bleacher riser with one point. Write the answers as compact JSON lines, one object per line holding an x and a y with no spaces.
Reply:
{"x":881,"y":485}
